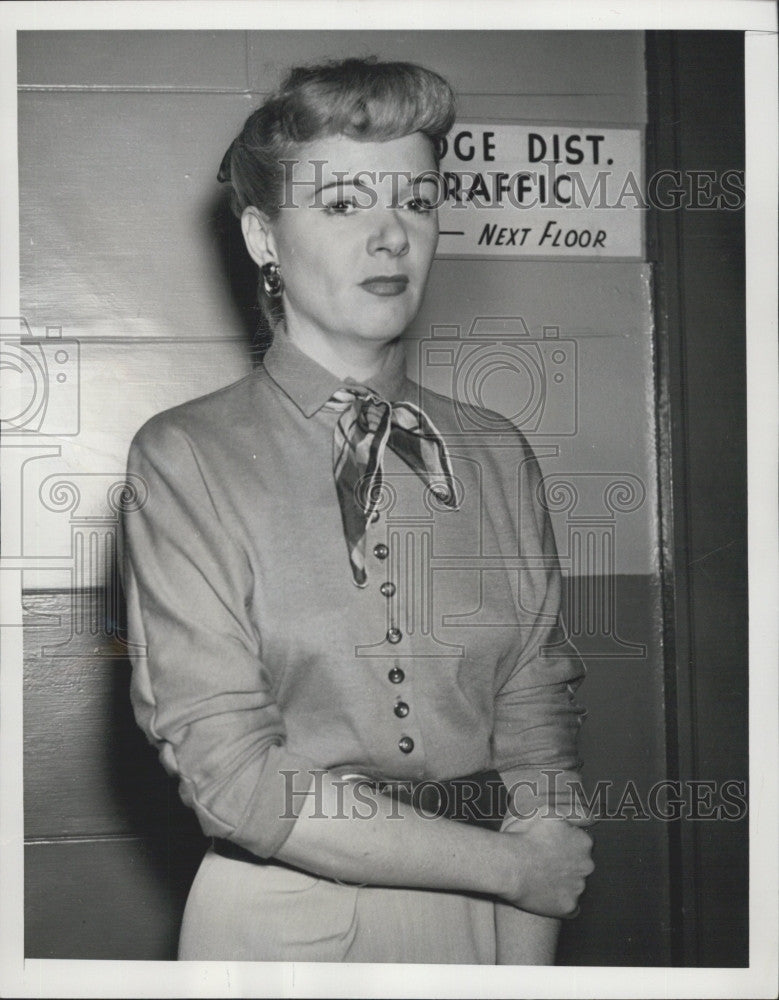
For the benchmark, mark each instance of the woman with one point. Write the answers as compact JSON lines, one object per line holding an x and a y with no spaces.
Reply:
{"x":313,"y":572}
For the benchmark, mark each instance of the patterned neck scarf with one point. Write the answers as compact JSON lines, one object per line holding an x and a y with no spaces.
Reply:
{"x":366,"y":426}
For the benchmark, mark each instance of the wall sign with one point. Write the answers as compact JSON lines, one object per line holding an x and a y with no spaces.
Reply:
{"x":542,"y":191}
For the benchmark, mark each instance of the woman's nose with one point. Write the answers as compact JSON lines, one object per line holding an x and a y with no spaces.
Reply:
{"x":388,"y":232}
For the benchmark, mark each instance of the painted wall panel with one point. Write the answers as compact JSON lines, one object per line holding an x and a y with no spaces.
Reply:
{"x":119,"y":209}
{"x":175,"y":60}
{"x":105,"y":899}
{"x":88,"y":769}
{"x":553,"y":66}
{"x":587,"y":109}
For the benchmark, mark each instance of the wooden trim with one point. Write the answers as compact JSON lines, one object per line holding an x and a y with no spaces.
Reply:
{"x":694,"y":80}
{"x":664,"y":252}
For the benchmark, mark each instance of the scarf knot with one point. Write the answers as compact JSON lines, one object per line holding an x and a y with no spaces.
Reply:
{"x":366,"y":427}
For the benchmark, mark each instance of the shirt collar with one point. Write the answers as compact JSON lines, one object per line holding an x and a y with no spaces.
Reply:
{"x":309,"y":385}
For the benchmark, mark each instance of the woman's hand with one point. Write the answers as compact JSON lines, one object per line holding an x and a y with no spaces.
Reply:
{"x":553,"y":860}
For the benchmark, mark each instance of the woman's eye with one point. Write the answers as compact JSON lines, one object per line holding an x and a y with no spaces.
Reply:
{"x":344,"y":206}
{"x":420,"y":205}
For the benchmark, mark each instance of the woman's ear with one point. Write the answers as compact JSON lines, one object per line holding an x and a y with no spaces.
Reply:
{"x":258,"y":236}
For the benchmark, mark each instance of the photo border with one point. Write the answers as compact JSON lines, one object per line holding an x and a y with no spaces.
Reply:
{"x":40,"y":977}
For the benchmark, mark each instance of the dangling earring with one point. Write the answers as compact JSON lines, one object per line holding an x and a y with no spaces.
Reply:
{"x":271,"y":279}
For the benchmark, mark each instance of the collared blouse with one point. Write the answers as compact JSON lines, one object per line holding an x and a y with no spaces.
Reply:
{"x":257,"y":661}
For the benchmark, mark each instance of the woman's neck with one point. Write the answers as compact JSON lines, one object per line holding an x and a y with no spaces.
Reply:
{"x":346,"y":358}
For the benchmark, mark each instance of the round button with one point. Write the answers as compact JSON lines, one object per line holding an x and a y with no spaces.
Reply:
{"x":388,"y":589}
{"x":380,"y":551}
{"x":401,"y":710}
{"x":394,"y":635}
{"x":396,"y":676}
{"x":405,"y":744}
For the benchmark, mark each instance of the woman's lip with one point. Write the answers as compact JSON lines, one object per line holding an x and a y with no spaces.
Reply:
{"x":385,"y":284}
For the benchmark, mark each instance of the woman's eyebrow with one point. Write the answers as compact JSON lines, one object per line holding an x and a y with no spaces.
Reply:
{"x":427,"y":176}
{"x":407,"y":181}
{"x":342,"y":182}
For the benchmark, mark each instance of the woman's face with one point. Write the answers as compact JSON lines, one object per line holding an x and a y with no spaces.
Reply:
{"x":355,"y":239}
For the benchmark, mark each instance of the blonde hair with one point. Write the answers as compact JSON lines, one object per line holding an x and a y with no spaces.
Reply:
{"x":364,"y":99}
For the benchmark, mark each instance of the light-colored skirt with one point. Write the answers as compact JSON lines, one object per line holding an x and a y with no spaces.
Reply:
{"x":239,"y":911}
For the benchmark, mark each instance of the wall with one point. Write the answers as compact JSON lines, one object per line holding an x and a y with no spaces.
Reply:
{"x":127,"y":246}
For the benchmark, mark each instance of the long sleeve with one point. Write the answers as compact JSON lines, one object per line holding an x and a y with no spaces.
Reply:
{"x":537,"y":719}
{"x":199,"y":688}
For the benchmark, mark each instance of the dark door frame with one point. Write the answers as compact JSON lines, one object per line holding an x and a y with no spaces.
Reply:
{"x":696,"y":123}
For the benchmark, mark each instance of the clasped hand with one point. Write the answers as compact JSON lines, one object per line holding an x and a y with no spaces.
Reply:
{"x":553,"y":860}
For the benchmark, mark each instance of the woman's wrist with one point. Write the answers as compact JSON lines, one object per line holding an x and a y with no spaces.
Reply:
{"x":506,"y":869}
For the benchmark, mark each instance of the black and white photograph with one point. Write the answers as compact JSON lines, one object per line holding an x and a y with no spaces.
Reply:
{"x":389,"y":499}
